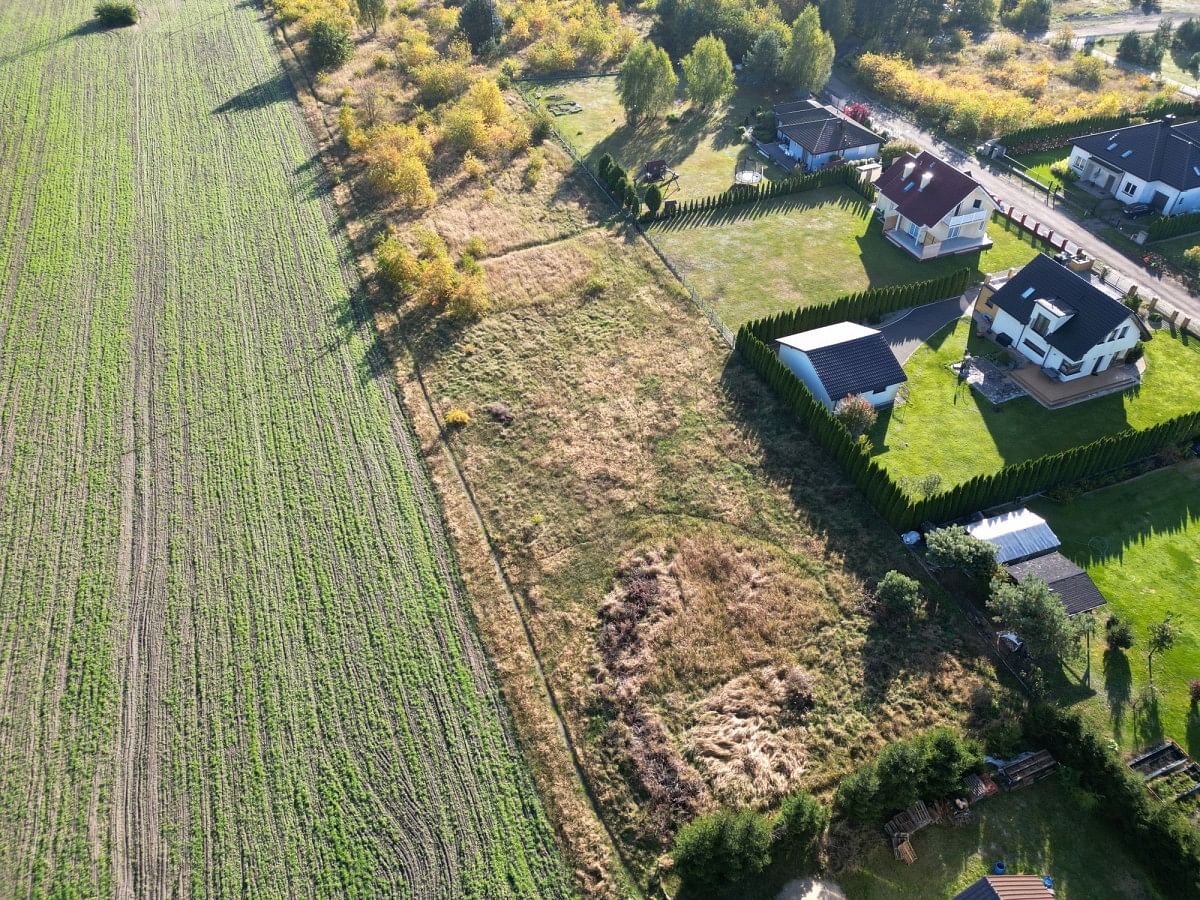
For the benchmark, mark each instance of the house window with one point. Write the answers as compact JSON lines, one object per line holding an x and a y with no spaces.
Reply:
{"x":1070,"y":368}
{"x":1129,"y":189}
{"x":953,"y":232}
{"x":1124,"y":331}
{"x":912,"y":228}
{"x":977,"y":204}
{"x":1034,"y":347}
{"x":1076,"y":162}
{"x":1040,"y":325}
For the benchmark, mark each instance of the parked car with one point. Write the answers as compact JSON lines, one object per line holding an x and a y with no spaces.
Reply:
{"x":1010,"y":642}
{"x":1137,"y":210}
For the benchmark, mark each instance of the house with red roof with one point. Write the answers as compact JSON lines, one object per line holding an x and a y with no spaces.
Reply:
{"x":931,"y":209}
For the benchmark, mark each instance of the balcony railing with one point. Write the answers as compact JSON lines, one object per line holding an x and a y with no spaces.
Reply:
{"x":977,"y":215}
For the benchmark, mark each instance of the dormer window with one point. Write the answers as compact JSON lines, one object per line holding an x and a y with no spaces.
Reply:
{"x":1040,"y":325}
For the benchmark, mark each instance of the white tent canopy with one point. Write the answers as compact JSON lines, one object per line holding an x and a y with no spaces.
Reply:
{"x":1017,"y":535}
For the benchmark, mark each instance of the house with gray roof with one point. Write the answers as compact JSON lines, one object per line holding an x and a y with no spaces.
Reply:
{"x":1156,"y":163}
{"x":1071,"y":584}
{"x":843,"y":359}
{"x":1066,"y":324}
{"x":815,"y":135}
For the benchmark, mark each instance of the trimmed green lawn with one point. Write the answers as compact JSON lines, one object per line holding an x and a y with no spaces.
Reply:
{"x":1140,"y":542}
{"x":948,"y":428}
{"x":1038,"y":166}
{"x":704,"y":148}
{"x":1043,"y":830}
{"x":758,"y":259}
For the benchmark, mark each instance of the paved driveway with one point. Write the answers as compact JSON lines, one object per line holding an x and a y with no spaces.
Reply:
{"x":905,"y":334}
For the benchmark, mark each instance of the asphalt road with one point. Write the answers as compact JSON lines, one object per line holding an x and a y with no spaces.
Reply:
{"x":911,"y":330}
{"x":1024,"y":197}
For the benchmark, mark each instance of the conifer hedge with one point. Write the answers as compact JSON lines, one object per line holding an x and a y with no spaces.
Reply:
{"x":767,"y":190}
{"x":1173,"y":226}
{"x":1043,"y":137}
{"x":900,"y":510}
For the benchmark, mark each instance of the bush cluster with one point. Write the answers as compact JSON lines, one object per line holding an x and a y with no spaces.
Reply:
{"x":1158,"y":834}
{"x":430,"y":276}
{"x":116,"y":12}
{"x":728,"y":846}
{"x":954,"y":547}
{"x":928,"y":767}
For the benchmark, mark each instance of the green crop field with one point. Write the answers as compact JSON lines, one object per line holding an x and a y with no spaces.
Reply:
{"x":234,"y":658}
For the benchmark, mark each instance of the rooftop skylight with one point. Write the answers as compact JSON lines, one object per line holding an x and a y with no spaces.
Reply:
{"x":1112,"y":146}
{"x":1127,"y":154}
{"x":1028,"y":292}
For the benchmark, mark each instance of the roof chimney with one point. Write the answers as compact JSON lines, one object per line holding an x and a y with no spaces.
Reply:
{"x":908,"y":168}
{"x":926,"y":177}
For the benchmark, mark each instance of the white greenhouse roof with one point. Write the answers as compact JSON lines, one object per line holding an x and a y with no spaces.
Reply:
{"x":1016,"y":535}
{"x":829,"y":336}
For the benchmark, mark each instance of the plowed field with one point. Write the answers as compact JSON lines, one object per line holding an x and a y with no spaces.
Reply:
{"x":234,"y":655}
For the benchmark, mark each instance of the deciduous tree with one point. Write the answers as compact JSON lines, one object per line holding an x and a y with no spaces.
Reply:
{"x":372,"y":13}
{"x":1037,"y":615}
{"x":709,"y":73}
{"x":646,"y":83}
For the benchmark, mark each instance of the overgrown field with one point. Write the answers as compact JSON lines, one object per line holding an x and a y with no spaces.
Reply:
{"x":682,"y":552}
{"x":234,"y":659}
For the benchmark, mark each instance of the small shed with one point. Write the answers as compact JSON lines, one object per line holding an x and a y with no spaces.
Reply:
{"x":1017,"y":536}
{"x":1073,"y":586}
{"x":843,"y":359}
{"x":1008,"y":887}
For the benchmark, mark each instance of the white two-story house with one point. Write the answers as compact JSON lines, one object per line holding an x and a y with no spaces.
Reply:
{"x":1058,"y":320}
{"x":1156,"y":163}
{"x":931,"y":209}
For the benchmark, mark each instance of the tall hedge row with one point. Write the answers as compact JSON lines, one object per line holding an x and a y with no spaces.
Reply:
{"x":1043,"y":137}
{"x":1173,"y":226}
{"x":869,"y":305}
{"x":1159,"y":835}
{"x":899,"y":509}
{"x":766,"y":190}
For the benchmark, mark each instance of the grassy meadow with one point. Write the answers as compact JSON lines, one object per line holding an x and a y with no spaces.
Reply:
{"x":703,"y":147}
{"x":237,"y":659}
{"x":759,"y":259}
{"x":1047,"y":829}
{"x":948,"y":428}
{"x":1140,"y":542}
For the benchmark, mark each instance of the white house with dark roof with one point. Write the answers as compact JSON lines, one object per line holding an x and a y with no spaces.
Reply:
{"x":843,"y":359}
{"x":930,"y":209}
{"x":1156,"y":163}
{"x":815,"y":135}
{"x":1057,"y":319}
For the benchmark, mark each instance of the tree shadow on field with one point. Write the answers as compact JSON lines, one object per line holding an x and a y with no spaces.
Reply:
{"x":312,"y":180}
{"x":353,"y":319}
{"x":264,"y":94}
